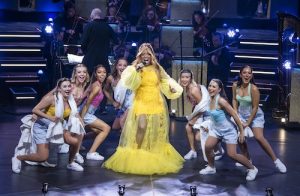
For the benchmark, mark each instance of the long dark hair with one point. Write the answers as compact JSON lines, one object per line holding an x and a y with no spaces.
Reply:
{"x":221,"y":86}
{"x":94,"y":78}
{"x":115,"y":71}
{"x":154,"y":21}
{"x":240,"y":81}
{"x":201,"y":14}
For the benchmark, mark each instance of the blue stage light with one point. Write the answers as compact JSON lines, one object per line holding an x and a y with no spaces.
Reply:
{"x":133,"y":44}
{"x":40,"y":72}
{"x":48,"y":29}
{"x":231,"y":33}
{"x":287,"y":64}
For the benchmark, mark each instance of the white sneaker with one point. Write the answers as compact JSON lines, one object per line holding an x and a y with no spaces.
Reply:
{"x":47,"y":164}
{"x":208,"y":170}
{"x":16,"y":165}
{"x":33,"y":163}
{"x":219,"y":155}
{"x":94,"y":156}
{"x":240,"y":165}
{"x":280,"y":166}
{"x":74,"y":166}
{"x":44,"y":164}
{"x":64,"y":148}
{"x":251,"y":175}
{"x":78,"y":158}
{"x":190,"y":155}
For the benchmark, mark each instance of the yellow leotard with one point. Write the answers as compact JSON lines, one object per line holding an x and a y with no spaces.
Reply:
{"x":51,"y":111}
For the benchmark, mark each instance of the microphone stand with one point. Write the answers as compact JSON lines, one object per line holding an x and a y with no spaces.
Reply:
{"x":202,"y":49}
{"x":181,"y":67}
{"x":180,"y":43}
{"x":202,"y":58}
{"x":181,"y":61}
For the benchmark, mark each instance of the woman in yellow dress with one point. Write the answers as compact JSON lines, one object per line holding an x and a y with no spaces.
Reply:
{"x":144,"y":146}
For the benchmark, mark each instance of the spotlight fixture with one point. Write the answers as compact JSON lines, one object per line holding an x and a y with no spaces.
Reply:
{"x":121,"y":190}
{"x":232,"y":33}
{"x":40,"y":72}
{"x":45,"y":188}
{"x":49,"y":29}
{"x":283,"y":120}
{"x":193,"y":190}
{"x":287,"y":64}
{"x":290,"y":36}
{"x":133,"y":44}
{"x":269,"y":192}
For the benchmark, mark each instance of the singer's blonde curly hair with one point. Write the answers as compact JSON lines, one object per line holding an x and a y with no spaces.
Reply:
{"x":146,"y":47}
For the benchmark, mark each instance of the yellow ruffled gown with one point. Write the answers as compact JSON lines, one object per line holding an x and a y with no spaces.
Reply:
{"x":156,"y":155}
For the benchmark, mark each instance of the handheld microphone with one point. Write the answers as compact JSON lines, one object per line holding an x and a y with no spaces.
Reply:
{"x":146,"y":62}
{"x":142,"y":64}
{"x":139,"y":66}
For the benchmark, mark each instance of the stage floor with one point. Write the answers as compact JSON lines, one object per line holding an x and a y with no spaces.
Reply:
{"x":96,"y":180}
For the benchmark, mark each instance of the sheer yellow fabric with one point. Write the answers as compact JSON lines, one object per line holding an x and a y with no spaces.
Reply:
{"x":155,"y":154}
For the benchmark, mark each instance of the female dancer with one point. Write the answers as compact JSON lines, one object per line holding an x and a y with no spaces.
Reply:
{"x":111,"y":84}
{"x":79,"y":89}
{"x":90,"y":106}
{"x":52,"y":110}
{"x":199,"y":98}
{"x":245,"y":101}
{"x":80,"y":80}
{"x":144,"y":146}
{"x":224,"y":129}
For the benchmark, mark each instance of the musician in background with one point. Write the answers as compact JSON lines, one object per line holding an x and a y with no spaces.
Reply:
{"x":136,"y":8}
{"x":202,"y":34}
{"x":113,"y":16}
{"x":219,"y":63}
{"x":70,"y":25}
{"x":164,"y":55}
{"x":149,"y":24}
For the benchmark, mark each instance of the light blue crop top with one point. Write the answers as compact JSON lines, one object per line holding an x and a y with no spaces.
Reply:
{"x":244,"y":100}
{"x":217,"y":115}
